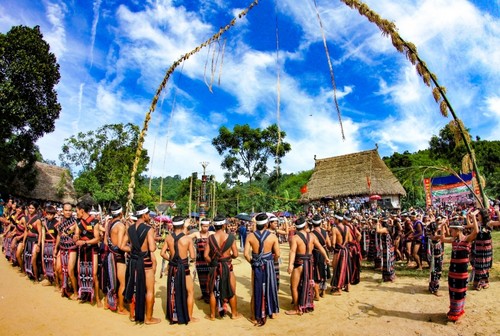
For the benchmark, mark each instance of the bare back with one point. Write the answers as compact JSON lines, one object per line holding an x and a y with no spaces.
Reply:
{"x":185,"y":246}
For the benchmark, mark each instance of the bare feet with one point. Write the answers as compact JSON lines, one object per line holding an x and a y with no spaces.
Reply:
{"x":293,"y":312}
{"x":123,"y":312}
{"x":437,"y":293}
{"x":211,"y":318}
{"x":99,"y":304}
{"x":74,"y":297}
{"x":194,"y":319}
{"x":337,"y":293}
{"x":154,"y":320}
{"x":45,"y":283}
{"x":236,"y":316}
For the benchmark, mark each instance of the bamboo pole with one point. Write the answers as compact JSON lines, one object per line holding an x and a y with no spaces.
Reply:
{"x":388,"y":28}
{"x":142,"y":135}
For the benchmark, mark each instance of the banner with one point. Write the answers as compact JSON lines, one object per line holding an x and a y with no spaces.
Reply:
{"x":449,"y":189}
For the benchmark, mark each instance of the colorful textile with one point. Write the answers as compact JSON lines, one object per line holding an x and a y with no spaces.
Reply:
{"x":48,"y":259}
{"x":85,"y":273}
{"x":387,"y":260}
{"x":458,"y":278}
{"x":220,"y":268}
{"x":321,"y":268}
{"x":28,"y":256}
{"x":48,"y":248}
{"x":202,"y":268}
{"x":482,"y":258}
{"x":109,"y":282}
{"x":265,"y":288}
{"x":341,"y":277}
{"x":306,"y":284}
{"x":436,"y":266}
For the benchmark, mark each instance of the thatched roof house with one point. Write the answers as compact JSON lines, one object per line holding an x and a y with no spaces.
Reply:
{"x":358,"y":174}
{"x":53,"y":184}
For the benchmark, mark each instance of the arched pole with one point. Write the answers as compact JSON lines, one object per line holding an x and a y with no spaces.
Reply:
{"x":388,"y":28}
{"x":142,"y":135}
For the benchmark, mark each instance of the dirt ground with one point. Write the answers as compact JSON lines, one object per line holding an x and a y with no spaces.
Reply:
{"x":371,"y":308}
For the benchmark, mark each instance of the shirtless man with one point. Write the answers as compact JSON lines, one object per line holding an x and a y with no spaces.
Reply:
{"x":180,"y":286}
{"x":300,"y":268}
{"x":341,"y":235}
{"x":321,"y":267}
{"x":141,"y":276}
{"x":261,"y":250}
{"x":113,"y":238}
{"x":221,"y":248}
{"x":87,"y":236}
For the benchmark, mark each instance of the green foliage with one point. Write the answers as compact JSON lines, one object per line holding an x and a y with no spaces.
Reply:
{"x":246,"y":150}
{"x":104,"y":160}
{"x":28,"y":101}
{"x":442,"y":157}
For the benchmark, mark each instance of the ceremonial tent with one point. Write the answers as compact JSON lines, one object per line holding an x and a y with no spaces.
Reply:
{"x":361,"y":174}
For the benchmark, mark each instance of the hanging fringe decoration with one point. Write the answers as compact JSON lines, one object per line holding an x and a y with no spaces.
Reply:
{"x":222,"y":60}
{"x":209,"y":85}
{"x":142,"y":135}
{"x":332,"y":77}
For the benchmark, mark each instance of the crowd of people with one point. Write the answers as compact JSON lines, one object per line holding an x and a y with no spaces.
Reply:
{"x":95,"y":257}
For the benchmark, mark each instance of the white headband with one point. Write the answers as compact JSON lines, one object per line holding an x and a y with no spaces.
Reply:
{"x":262,"y":222}
{"x":273,"y":219}
{"x":178,"y":223}
{"x":142,"y":212}
{"x":117,"y":211}
{"x":316,"y":221}
{"x":219,"y":223}
{"x":300,"y":226}
{"x":205,"y":221}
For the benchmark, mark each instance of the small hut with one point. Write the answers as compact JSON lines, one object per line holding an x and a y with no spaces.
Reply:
{"x":363,"y":174}
{"x":54,"y":184}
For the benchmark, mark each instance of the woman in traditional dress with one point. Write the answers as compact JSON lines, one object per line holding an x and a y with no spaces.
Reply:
{"x":437,"y":250}
{"x":202,"y":267}
{"x":458,"y":275}
{"x":482,"y":251}
{"x":32,"y":241}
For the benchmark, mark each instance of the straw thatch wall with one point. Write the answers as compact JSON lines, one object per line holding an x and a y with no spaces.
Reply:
{"x":350,"y":175}
{"x":53,"y":184}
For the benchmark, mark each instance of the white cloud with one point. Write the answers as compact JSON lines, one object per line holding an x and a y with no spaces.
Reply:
{"x":56,"y":36}
{"x":96,"y":7}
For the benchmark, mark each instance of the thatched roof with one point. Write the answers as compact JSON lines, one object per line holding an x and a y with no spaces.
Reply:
{"x":53,"y":184}
{"x":349,"y":175}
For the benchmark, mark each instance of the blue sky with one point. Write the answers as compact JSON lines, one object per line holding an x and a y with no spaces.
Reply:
{"x":114,"y":54}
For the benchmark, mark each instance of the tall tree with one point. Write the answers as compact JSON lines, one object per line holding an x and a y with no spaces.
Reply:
{"x":28,"y":101}
{"x":104,"y":160}
{"x":246,"y":150}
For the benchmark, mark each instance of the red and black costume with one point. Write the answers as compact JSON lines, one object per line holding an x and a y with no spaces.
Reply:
{"x":113,"y":256}
{"x":31,"y":242}
{"x":66,"y":232}
{"x":49,"y":248}
{"x":86,"y":259}
{"x":219,"y":274}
